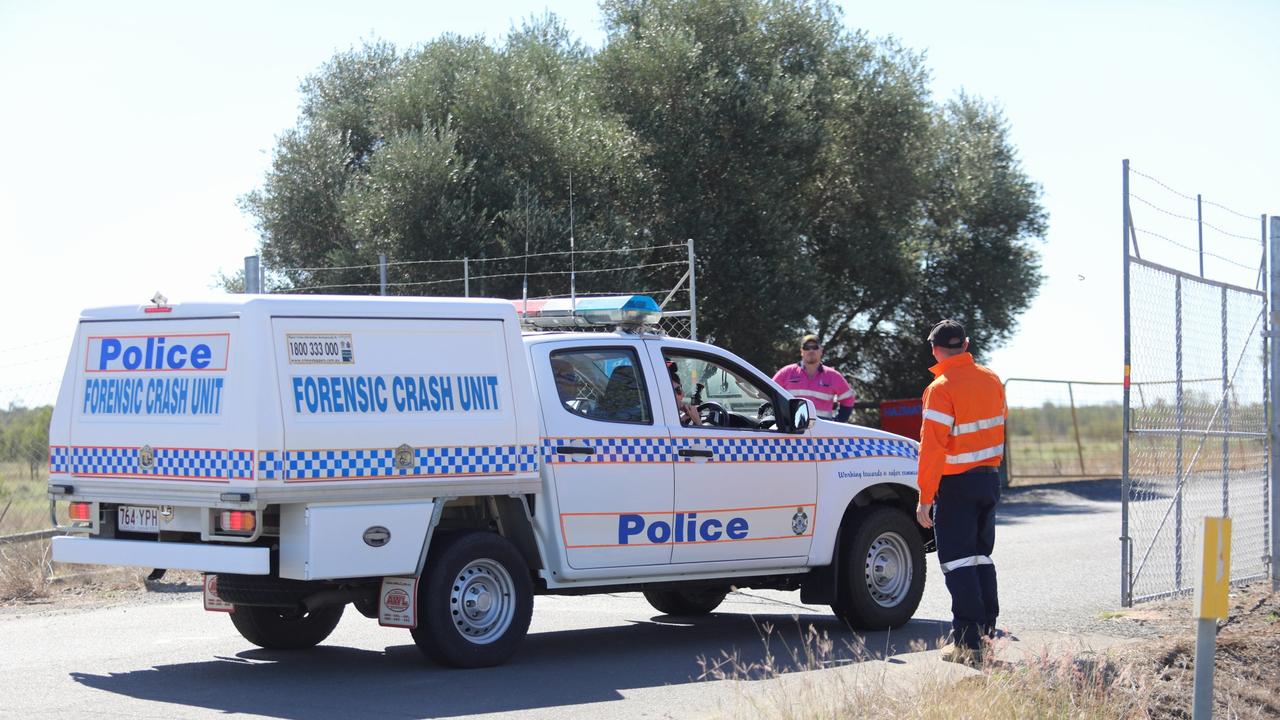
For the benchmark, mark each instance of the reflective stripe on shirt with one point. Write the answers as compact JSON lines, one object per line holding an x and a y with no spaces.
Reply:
{"x":976,"y":455}
{"x":975,"y":426}
{"x":939,"y":417}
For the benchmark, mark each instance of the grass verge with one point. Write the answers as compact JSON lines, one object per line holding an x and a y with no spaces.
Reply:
{"x":1151,"y":679}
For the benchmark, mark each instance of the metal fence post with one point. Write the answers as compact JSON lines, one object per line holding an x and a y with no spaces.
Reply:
{"x":1226,"y":412}
{"x":1200,"y":231}
{"x":1178,"y":476}
{"x":693,"y":296}
{"x":1273,"y":441}
{"x":466,"y":277}
{"x":382,"y":274}
{"x":252,"y":284}
{"x":1126,"y":590}
{"x":1075,"y":426}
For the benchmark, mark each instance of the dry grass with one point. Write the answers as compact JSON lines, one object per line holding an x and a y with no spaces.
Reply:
{"x":1148,"y":680}
{"x":24,"y":501}
{"x":1056,"y":685}
{"x":25,"y":570}
{"x":24,"y":507}
{"x":1246,"y":669}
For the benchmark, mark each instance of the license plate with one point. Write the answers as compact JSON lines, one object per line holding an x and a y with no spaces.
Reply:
{"x":138,"y":519}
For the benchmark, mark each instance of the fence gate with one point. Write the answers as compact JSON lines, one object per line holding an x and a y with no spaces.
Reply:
{"x":1195,"y":396}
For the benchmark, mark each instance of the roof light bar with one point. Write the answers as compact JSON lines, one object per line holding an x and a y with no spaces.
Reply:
{"x":590,"y":311}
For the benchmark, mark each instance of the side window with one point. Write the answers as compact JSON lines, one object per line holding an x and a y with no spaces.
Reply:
{"x":601,"y":384}
{"x":707,"y":382}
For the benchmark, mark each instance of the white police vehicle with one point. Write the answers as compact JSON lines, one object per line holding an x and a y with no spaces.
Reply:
{"x":426,"y":462}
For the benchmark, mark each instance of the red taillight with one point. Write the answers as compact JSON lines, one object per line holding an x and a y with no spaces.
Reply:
{"x":239,"y":521}
{"x":80,"y":511}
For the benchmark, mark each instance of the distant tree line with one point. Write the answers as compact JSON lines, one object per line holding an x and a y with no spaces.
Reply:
{"x":824,"y":187}
{"x":1059,"y":421}
{"x":24,"y":436}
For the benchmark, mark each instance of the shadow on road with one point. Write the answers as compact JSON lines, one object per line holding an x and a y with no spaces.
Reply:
{"x":1021,"y":504}
{"x":551,"y":669}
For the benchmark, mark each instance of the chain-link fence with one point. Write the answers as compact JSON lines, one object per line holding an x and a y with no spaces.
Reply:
{"x":1062,"y":430}
{"x":1195,"y":441}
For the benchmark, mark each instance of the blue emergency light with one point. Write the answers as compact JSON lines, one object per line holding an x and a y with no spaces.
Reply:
{"x":589,"y":311}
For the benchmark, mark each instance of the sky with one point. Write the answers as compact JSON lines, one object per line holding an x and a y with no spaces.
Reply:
{"x":132,"y":128}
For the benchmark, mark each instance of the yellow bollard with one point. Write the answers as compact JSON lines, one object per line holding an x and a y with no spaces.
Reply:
{"x":1211,"y":606}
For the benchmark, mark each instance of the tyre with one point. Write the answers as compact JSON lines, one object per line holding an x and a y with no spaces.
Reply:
{"x":278,"y":628}
{"x":882,"y":571}
{"x":475,"y":603}
{"x":686,"y":602}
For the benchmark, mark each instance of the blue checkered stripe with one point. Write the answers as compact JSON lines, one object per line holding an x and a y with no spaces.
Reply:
{"x":299,"y":465}
{"x":170,"y":463}
{"x":827,"y":449}
{"x":727,"y":449}
{"x":59,"y":458}
{"x":763,"y":449}
{"x":270,"y":465}
{"x":612,"y":450}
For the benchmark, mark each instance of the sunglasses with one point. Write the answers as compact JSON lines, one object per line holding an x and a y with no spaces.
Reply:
{"x":678,"y":389}
{"x":810,"y":346}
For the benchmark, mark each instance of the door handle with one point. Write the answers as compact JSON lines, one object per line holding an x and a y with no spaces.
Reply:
{"x":695,"y":452}
{"x":574,"y":450}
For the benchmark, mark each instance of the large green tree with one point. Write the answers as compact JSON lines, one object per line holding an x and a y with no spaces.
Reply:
{"x":824,"y":188}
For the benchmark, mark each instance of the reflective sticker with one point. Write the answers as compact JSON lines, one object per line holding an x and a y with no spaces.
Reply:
{"x":334,"y":349}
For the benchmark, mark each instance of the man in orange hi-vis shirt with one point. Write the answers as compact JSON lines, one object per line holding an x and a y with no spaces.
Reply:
{"x":961,"y":445}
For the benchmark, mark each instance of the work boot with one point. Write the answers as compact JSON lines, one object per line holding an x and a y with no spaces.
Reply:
{"x":962,"y":655}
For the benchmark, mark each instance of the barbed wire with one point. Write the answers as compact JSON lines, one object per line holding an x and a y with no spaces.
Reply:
{"x":15,"y":388}
{"x":1211,"y":226}
{"x":1194,"y":250}
{"x":37,"y":343}
{"x":422,"y":283}
{"x":1192,"y":198}
{"x":46,"y":358}
{"x":580,"y":252}
{"x":397,"y":263}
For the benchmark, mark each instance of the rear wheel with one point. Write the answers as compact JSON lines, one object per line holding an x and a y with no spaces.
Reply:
{"x":686,"y":602}
{"x":476,"y":602}
{"x":882,"y":570}
{"x":277,"y":628}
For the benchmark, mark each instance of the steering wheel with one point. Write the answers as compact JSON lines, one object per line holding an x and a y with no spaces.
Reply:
{"x":713,"y":413}
{"x":765,"y":417}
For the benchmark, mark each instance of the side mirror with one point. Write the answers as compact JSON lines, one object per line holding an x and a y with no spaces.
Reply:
{"x":802,"y":412}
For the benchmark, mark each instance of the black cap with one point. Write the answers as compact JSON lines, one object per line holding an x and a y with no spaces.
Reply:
{"x":947,"y":334}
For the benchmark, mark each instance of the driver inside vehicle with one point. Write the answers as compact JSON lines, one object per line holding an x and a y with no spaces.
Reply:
{"x":688,"y":411}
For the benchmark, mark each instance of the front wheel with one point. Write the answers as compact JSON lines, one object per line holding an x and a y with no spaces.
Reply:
{"x":476,"y":602}
{"x":276,"y":628}
{"x":882,"y":570}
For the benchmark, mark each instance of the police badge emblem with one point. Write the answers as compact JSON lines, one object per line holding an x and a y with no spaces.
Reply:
{"x":799,"y":521}
{"x":404,"y":456}
{"x":146,"y":457}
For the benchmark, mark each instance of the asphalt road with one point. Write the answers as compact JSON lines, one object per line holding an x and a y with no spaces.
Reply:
{"x":585,"y":657}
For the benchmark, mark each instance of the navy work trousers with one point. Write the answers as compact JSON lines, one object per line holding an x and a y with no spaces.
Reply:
{"x":964,"y":520}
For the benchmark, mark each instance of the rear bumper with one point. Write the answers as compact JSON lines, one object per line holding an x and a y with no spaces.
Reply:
{"x":174,"y":556}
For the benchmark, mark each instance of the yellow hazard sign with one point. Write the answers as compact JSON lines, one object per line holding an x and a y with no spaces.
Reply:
{"x":1215,"y":573}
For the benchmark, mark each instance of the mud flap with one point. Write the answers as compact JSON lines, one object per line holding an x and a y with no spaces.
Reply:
{"x":212,"y":602}
{"x":398,"y":602}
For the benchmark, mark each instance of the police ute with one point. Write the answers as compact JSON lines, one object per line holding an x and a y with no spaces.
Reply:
{"x":437,"y":462}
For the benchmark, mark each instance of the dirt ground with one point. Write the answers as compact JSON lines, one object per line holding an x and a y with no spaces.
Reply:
{"x":1247,"y":666}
